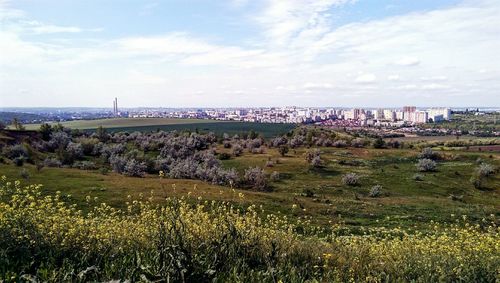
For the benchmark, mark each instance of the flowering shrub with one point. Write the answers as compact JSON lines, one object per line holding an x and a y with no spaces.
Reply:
{"x":485,"y":170}
{"x":52,"y":162}
{"x":311,"y":154}
{"x":426,"y":165}
{"x":316,"y":161}
{"x":134,"y":168}
{"x":350,"y":179}
{"x":237,"y":150}
{"x":375,"y":191}
{"x":428,"y":153}
{"x":256,"y":178}
{"x":14,"y":151}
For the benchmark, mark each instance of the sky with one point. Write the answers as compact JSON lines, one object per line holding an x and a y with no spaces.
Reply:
{"x":246,"y":53}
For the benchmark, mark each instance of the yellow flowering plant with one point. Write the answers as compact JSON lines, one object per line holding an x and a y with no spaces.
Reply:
{"x":46,"y":239}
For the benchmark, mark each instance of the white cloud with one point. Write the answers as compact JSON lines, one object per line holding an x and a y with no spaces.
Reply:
{"x":407,"y":87}
{"x":393,"y":77}
{"x":434,"y":78}
{"x":407,"y":61}
{"x":15,"y":20}
{"x":55,"y":29}
{"x":366,"y":78}
{"x":317,"y":86}
{"x":286,"y":88}
{"x":296,"y":20}
{"x":435,"y":86}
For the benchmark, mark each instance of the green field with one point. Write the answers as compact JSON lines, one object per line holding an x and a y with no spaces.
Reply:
{"x":167,"y":124}
{"x":319,"y":193}
{"x":123,"y":122}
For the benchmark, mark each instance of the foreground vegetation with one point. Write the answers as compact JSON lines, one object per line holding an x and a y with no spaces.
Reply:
{"x":331,"y":176}
{"x":47,"y":238}
{"x":314,"y":204}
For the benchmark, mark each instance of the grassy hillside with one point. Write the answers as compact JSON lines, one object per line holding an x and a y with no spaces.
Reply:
{"x":316,"y":205}
{"x":317,"y":193}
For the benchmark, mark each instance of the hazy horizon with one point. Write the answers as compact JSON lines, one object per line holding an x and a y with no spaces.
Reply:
{"x":240,"y":53}
{"x":240,"y":107}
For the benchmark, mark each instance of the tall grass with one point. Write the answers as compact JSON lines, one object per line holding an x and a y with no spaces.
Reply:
{"x":46,"y":238}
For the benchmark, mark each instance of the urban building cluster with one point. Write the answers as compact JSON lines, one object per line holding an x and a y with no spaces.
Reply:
{"x":338,"y":116}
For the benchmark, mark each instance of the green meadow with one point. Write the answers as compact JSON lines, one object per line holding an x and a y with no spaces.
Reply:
{"x":303,"y":191}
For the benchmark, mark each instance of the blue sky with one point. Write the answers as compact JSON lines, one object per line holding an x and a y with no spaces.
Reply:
{"x":250,"y":53}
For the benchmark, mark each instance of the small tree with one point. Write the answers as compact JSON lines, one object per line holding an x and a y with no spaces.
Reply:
{"x":18,"y":125}
{"x":46,"y":130}
{"x":426,"y":165}
{"x":102,"y":134}
{"x":378,"y":143}
{"x":283,"y":150}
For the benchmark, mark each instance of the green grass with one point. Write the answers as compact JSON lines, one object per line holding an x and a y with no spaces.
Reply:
{"x":405,"y":202}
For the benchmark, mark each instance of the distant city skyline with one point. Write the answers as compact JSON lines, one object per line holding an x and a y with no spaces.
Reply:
{"x":240,"y":53}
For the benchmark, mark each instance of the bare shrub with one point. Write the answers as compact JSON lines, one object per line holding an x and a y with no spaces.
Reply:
{"x":426,"y":165}
{"x":428,"y":153}
{"x":84,"y":165}
{"x":485,"y":170}
{"x":275,"y":176}
{"x":52,"y":162}
{"x":350,"y":179}
{"x":375,"y":191}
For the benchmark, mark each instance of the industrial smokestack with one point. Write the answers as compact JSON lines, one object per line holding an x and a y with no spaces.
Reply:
{"x":115,"y":106}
